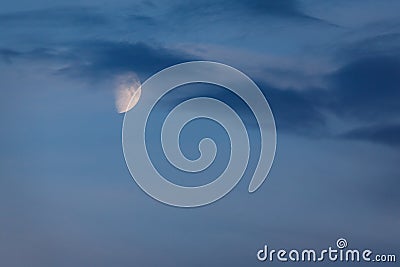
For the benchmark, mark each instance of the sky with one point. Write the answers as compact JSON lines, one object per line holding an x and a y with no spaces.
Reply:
{"x":330,"y":71}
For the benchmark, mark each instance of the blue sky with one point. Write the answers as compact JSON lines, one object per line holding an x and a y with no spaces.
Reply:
{"x":329,"y":69}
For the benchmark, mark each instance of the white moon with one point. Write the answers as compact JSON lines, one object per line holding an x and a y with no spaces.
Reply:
{"x":127,"y":92}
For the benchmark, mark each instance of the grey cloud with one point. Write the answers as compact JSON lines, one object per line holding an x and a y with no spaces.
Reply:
{"x":388,"y":134}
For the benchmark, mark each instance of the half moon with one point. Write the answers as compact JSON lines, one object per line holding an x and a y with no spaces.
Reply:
{"x":127,"y":93}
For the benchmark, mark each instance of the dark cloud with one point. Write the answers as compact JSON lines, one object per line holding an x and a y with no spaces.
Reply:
{"x":214,"y":10}
{"x":8,"y":54}
{"x":37,"y":54}
{"x":98,"y":59}
{"x":143,"y":20}
{"x":386,"y":44}
{"x":296,"y":111}
{"x":388,"y":134}
{"x":101,"y":58}
{"x":367,"y":88}
{"x":284,"y":9}
{"x":54,"y":17}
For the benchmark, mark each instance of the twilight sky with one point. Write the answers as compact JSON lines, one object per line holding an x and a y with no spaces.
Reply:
{"x":329,"y":69}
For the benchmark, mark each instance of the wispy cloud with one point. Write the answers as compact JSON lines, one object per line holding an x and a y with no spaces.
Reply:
{"x":96,"y":60}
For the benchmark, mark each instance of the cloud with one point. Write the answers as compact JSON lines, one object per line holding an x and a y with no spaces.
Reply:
{"x":54,"y":17}
{"x":388,"y":134}
{"x":96,"y":60}
{"x":366,"y":89}
{"x":296,"y":111}
{"x":101,"y":58}
{"x":8,"y":54}
{"x":290,"y":9}
{"x":143,"y":20}
{"x":37,"y":54}
{"x":385,"y":44}
{"x":284,"y":9}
